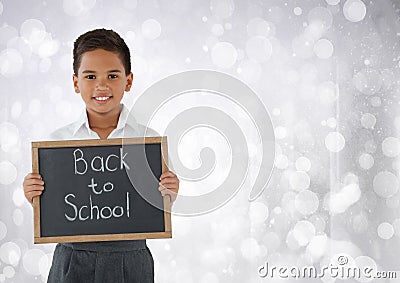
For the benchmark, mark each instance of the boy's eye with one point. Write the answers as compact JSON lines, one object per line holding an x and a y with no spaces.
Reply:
{"x":90,"y":77}
{"x":112,"y":76}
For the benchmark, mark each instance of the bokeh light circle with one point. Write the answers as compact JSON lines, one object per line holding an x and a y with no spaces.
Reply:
{"x":151,"y":29}
{"x":291,"y":241}
{"x":222,"y":8}
{"x":9,"y":136}
{"x":366,"y":161}
{"x":33,"y":30}
{"x":328,"y":92}
{"x":306,"y":202}
{"x":317,"y":246}
{"x":258,"y":212}
{"x":391,"y":147}
{"x":299,"y":181}
{"x":303,"y":164}
{"x":396,"y":227}
{"x":331,"y":122}
{"x":18,"y":217}
{"x":259,"y":48}
{"x":45,"y":264}
{"x":319,"y":222}
{"x":354,"y":10}
{"x":249,"y":248}
{"x":323,"y":48}
{"x":385,"y":184}
{"x":363,"y":262}
{"x":332,"y":2}
{"x":22,"y":45}
{"x":335,"y":141}
{"x":280,"y":132}
{"x":281,"y":161}
{"x":7,"y":33}
{"x":303,"y":232}
{"x":217,"y":30}
{"x":368,"y":120}
{"x":18,"y":197}
{"x":8,"y":172}
{"x":385,"y":230}
{"x":31,"y":261}
{"x":11,"y":63}
{"x":297,"y":11}
{"x":224,"y":55}
{"x":9,"y":271}
{"x":76,"y":8}
{"x":320,"y":17}
{"x":10,"y":253}
{"x":3,"y":230}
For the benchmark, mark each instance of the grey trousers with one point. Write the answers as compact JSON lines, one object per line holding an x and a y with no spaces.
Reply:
{"x":102,"y":262}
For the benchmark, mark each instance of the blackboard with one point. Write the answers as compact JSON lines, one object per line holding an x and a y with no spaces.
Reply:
{"x":101,"y":190}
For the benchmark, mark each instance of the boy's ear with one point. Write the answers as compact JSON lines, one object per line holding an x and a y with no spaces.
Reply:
{"x":75,"y":80}
{"x":129,"y":82}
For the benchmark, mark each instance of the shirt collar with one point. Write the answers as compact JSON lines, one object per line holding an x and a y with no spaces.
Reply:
{"x":125,"y":118}
{"x":81,"y":122}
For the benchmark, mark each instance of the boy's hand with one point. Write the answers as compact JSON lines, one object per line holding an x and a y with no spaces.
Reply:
{"x":33,"y":186}
{"x":169,"y":185}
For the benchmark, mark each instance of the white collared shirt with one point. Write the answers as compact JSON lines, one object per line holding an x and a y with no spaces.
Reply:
{"x":127,"y":127}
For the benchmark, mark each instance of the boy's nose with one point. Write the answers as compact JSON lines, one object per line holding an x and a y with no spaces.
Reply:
{"x":101,"y":84}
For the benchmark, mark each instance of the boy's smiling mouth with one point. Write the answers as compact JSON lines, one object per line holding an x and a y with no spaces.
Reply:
{"x":102,"y":98}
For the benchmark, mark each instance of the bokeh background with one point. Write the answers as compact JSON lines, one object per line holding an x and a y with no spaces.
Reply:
{"x":326,"y":70}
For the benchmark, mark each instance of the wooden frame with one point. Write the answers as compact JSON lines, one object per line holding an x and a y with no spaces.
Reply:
{"x":101,"y":237}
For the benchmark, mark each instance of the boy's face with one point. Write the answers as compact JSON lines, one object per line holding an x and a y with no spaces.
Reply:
{"x":101,"y":81}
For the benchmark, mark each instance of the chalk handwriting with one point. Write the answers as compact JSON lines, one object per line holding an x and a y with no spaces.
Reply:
{"x":98,"y":163}
{"x":93,"y":212}
{"x":107,"y":187}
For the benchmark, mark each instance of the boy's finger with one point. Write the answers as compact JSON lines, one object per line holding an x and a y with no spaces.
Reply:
{"x":33,"y":176}
{"x":33,"y":182}
{"x":33,"y":193}
{"x":34,"y":188}
{"x":28,"y":193}
{"x":167,"y":174}
{"x":172,"y":187}
{"x":169,"y":181}
{"x":174,"y":190}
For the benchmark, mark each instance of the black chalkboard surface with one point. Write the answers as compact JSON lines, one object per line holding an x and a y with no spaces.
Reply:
{"x":101,"y":190}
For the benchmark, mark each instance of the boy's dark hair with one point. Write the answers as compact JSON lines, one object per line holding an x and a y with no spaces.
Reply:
{"x":101,"y":39}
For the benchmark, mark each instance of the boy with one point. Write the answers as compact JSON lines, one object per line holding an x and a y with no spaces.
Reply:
{"x":102,"y":73}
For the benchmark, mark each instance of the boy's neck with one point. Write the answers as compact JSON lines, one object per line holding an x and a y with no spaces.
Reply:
{"x":103,"y":124}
